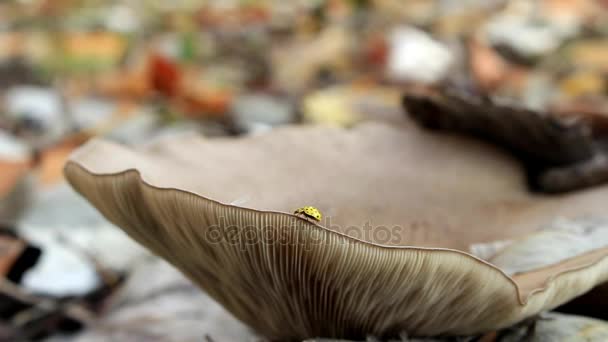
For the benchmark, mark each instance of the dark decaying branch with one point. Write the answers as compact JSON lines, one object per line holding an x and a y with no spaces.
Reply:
{"x":560,"y":153}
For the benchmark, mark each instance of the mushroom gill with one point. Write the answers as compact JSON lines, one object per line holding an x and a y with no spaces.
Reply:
{"x":401,"y":208}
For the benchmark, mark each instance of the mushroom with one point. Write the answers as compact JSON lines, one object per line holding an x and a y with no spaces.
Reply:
{"x":401,"y":208}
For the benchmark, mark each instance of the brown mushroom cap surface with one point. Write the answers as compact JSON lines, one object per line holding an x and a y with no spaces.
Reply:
{"x":400,"y":205}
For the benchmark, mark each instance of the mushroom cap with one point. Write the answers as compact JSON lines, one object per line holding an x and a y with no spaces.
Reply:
{"x":401,"y":207}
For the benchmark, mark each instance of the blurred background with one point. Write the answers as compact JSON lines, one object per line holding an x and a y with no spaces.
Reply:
{"x":136,"y":71}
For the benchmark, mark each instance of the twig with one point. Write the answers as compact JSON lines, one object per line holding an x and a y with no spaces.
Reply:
{"x":71,"y":310}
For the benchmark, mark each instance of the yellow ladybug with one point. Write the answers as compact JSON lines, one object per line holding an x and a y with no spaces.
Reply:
{"x":309,"y":212}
